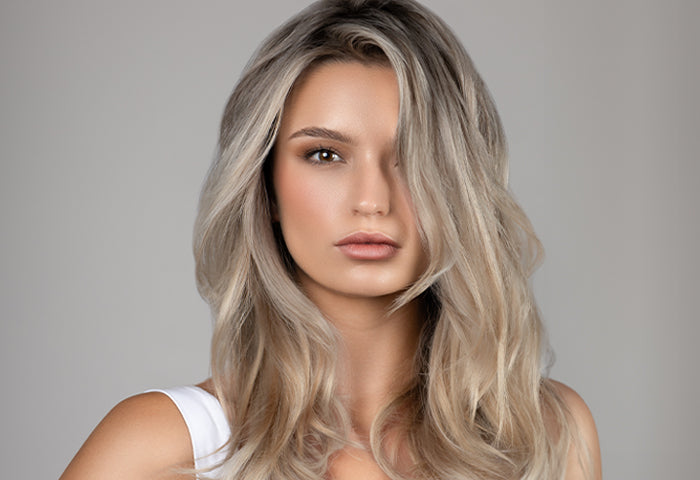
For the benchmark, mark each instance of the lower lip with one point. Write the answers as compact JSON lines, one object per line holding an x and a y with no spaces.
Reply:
{"x":368,"y":251}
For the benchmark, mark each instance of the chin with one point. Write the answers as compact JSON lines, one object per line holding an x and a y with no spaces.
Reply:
{"x":366,"y":290}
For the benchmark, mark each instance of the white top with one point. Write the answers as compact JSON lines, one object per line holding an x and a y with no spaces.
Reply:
{"x":206,"y":422}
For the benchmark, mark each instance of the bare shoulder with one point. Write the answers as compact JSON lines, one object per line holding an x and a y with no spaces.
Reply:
{"x":585,"y":426}
{"x":142,"y":437}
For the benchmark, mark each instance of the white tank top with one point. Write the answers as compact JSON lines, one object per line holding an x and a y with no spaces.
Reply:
{"x":206,"y":422}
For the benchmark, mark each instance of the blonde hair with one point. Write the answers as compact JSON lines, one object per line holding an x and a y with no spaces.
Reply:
{"x":478,"y":406}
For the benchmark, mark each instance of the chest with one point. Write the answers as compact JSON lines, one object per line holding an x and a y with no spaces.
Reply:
{"x":351,"y":464}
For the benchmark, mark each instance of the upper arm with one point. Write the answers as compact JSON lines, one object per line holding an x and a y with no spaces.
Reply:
{"x":585,"y":432}
{"x":143,"y":437}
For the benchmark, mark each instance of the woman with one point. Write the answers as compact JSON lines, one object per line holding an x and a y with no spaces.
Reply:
{"x":368,"y":272}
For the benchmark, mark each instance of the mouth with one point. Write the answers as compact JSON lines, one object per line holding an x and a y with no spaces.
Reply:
{"x":368,"y":246}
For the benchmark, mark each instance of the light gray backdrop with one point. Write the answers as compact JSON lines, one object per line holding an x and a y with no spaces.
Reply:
{"x":109,"y":116}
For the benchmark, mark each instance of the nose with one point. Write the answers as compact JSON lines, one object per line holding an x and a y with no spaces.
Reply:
{"x":371,"y":190}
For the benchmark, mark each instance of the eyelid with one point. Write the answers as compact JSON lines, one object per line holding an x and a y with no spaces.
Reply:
{"x":320,"y":148}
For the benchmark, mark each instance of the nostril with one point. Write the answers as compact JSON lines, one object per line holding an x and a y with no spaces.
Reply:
{"x":370,"y":208}
{"x":371,"y":187}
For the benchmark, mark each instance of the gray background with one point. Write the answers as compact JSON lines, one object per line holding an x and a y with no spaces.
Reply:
{"x":109,"y":116}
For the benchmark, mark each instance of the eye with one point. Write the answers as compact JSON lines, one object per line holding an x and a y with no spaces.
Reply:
{"x":323,"y":155}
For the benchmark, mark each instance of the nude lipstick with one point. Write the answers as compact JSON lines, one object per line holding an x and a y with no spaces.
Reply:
{"x":367,"y":246}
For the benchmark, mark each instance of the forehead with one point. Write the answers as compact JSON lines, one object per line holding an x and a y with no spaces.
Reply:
{"x":336,"y":92}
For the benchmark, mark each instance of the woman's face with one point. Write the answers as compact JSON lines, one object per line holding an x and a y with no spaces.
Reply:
{"x":343,"y":207}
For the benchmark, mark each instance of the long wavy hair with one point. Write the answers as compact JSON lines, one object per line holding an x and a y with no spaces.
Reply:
{"x":478,"y":405}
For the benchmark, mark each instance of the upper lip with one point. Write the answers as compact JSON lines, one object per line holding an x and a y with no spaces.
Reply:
{"x":366,"y":237}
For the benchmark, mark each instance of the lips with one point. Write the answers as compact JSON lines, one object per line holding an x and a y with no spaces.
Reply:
{"x":368,"y":246}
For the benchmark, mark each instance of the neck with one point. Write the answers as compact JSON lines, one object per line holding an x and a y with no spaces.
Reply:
{"x":377,"y":351}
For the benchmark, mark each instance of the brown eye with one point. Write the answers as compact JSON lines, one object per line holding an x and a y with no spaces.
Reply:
{"x":323,"y":155}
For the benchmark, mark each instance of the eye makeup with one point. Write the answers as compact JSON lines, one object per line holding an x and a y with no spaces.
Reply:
{"x":321,"y":155}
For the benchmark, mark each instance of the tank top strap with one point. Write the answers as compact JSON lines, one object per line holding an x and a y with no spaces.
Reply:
{"x":206,"y":422}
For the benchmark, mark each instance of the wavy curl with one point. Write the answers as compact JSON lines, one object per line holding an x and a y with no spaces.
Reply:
{"x":478,"y":406}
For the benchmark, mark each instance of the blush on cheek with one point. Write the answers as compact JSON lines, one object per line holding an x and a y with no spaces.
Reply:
{"x":307,"y":205}
{"x":299,"y":200}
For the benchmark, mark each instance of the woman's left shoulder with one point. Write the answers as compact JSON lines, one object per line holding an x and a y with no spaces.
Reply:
{"x":587,"y":433}
{"x":577,"y":407}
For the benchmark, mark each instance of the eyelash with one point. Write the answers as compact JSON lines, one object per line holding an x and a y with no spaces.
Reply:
{"x":315,"y":151}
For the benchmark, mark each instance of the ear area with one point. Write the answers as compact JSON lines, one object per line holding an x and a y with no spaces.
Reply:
{"x":274,"y":211}
{"x":269,"y":189}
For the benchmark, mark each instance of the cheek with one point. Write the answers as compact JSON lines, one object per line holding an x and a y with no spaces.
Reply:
{"x":305,"y":203}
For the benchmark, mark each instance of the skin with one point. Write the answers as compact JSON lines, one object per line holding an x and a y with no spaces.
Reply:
{"x":345,"y":115}
{"x":359,"y":188}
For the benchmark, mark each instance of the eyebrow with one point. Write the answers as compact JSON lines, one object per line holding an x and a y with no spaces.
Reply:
{"x":321,"y":132}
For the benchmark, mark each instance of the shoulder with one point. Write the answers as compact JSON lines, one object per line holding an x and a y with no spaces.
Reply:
{"x":585,"y":445}
{"x":142,"y":437}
